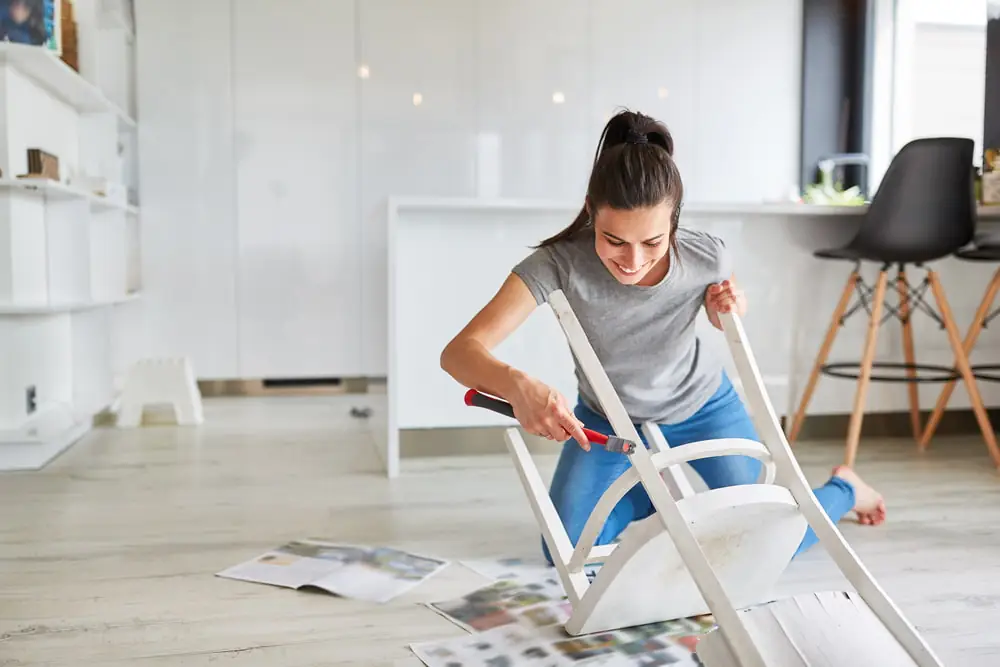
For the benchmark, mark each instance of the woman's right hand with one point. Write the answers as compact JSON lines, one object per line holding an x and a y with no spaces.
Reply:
{"x":543,"y":411}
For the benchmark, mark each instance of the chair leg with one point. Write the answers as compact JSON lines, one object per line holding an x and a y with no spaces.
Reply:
{"x":967,"y":346}
{"x":824,"y":352}
{"x":903,"y":287}
{"x":962,"y":361}
{"x":864,"y":379}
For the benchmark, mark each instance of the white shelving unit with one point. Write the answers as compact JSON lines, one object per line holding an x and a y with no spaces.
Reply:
{"x":69,"y":261}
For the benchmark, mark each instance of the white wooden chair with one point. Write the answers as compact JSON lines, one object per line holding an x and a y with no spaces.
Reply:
{"x":720,"y":551}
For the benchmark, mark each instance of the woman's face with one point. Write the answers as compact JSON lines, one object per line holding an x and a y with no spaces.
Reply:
{"x":633,"y":244}
{"x":19,"y":11}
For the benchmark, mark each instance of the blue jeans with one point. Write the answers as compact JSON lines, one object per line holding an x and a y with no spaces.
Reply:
{"x":581,"y":477}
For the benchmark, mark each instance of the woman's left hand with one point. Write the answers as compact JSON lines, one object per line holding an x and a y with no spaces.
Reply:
{"x":724,"y":297}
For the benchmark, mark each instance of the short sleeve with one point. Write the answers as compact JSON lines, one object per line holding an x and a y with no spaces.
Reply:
{"x":724,"y":258}
{"x":540,"y":273}
{"x":704,"y":256}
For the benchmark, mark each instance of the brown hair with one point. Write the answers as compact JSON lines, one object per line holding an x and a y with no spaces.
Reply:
{"x":633,"y":168}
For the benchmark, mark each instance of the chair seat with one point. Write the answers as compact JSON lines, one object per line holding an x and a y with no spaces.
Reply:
{"x":749,"y":533}
{"x":848,"y":254}
{"x":985,"y":249}
{"x":855,"y":254}
{"x":985,"y":239}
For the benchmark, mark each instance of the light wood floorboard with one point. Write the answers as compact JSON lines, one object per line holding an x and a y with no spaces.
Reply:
{"x":107,"y":557}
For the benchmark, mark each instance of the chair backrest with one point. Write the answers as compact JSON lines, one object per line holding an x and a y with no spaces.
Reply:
{"x":925,"y":207}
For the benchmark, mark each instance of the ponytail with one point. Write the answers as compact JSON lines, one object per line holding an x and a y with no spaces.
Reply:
{"x":633,"y":168}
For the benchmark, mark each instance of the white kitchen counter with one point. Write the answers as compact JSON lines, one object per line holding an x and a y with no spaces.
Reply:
{"x":447,"y":257}
{"x":751,"y":209}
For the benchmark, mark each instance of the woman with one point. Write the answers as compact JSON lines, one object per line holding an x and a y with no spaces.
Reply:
{"x":637,"y":282}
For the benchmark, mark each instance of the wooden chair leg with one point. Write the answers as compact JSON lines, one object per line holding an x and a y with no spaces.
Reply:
{"x":903,"y":288}
{"x":864,"y":379}
{"x":967,"y":346}
{"x":824,"y":352}
{"x":962,"y":361}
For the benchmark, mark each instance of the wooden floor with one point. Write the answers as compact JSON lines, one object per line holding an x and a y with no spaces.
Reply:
{"x":107,"y":556}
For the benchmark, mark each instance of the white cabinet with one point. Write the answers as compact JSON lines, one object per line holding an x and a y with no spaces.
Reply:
{"x":534,"y":81}
{"x":748,"y":66}
{"x":659,"y":79}
{"x":189,"y":243}
{"x":299,"y":244}
{"x":417,"y":128}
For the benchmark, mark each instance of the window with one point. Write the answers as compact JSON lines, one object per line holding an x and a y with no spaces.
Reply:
{"x":934,"y":80}
{"x":940,"y":70}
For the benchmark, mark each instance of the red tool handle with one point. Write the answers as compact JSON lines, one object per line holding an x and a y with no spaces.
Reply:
{"x":480,"y":400}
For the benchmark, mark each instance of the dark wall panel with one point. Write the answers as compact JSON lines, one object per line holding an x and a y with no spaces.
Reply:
{"x":991,"y":116}
{"x":836,"y":76}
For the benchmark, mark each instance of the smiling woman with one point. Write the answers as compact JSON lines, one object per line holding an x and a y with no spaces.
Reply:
{"x":637,"y":282}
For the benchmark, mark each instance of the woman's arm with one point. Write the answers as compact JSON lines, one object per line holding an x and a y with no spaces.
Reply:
{"x":468,"y":358}
{"x":724,"y":297}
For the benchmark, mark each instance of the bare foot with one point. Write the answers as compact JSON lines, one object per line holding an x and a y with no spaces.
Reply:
{"x":868,"y":503}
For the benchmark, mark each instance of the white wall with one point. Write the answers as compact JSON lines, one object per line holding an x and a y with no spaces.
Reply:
{"x":267,"y":160}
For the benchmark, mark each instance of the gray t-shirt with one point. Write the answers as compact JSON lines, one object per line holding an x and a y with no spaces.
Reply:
{"x":644,"y":336}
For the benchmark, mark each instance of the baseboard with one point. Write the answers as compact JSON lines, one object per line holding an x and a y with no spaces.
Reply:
{"x":893,"y":425}
{"x":283,"y":387}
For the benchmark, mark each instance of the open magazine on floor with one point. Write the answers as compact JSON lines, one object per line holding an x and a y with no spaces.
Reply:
{"x":374,"y":574}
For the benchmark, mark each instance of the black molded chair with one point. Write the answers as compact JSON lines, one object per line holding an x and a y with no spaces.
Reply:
{"x":984,"y":249}
{"x":924,"y":210}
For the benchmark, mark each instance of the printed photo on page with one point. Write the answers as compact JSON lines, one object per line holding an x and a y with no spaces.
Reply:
{"x":375,"y":574}
{"x":499,"y":603}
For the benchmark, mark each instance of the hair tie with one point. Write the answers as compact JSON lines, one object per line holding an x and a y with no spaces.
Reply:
{"x":633,"y":137}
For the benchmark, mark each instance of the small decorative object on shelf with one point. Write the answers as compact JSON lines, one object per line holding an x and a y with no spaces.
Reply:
{"x":42,"y":165}
{"x":991,"y":177}
{"x":70,"y":50}
{"x":101,"y":187}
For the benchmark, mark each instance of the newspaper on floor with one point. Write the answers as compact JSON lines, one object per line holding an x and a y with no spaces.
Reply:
{"x":374,"y":574}
{"x":533,"y":636}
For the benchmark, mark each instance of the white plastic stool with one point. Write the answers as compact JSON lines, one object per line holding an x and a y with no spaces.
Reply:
{"x":161,"y":381}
